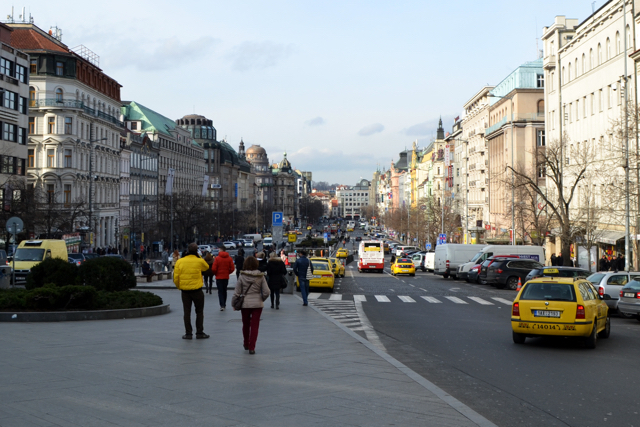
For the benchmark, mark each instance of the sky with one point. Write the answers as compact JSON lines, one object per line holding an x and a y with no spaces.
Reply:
{"x":340,"y":86}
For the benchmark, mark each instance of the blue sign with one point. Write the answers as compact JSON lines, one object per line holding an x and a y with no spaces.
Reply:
{"x":236,"y":190}
{"x":427,"y":246}
{"x":276,"y":219}
{"x":442,"y":238}
{"x":326,"y":236}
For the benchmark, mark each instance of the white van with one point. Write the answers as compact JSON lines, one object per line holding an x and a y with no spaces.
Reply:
{"x":535,"y":253}
{"x":449,"y":256}
{"x":400,"y":249}
{"x":255,"y":237}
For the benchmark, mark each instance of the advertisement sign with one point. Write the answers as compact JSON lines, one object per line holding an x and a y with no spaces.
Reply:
{"x":447,"y":155}
{"x":170,"y":175}
{"x":205,"y":186}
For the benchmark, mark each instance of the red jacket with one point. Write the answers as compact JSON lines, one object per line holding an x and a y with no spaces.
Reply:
{"x":223,"y":265}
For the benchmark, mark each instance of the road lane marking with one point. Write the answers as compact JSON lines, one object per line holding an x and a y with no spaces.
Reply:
{"x":360,"y":298}
{"x":480,"y":301}
{"x":423,"y":289}
{"x":406,"y":298}
{"x":413,"y":286}
{"x":367,"y":328}
{"x":335,"y":297}
{"x":431,"y":300}
{"x":456,"y":300}
{"x":502,"y":300}
{"x":314,"y":295}
{"x":382,"y":298}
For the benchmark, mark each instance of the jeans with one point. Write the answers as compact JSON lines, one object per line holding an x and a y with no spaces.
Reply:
{"x":276,"y":293}
{"x":250,"y":326}
{"x":304,"y":289}
{"x":197,"y":298}
{"x":208,"y":283}
{"x":222,"y":291}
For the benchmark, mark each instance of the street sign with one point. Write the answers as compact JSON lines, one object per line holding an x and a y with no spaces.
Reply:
{"x":427,"y":246}
{"x":442,"y":238}
{"x":276,"y":219}
{"x":216,"y":186}
{"x":293,"y":237}
{"x":276,"y":232}
{"x":14,"y":225}
{"x":423,"y":207}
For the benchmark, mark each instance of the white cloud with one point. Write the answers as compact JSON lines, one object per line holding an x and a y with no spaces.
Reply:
{"x":258,"y":55}
{"x":371,"y":129}
{"x":317,"y":121}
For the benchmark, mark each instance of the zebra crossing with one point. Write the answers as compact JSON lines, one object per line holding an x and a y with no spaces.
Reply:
{"x":319,"y":298}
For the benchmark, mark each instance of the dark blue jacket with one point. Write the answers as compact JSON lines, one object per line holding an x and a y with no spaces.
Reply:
{"x":300,"y":267}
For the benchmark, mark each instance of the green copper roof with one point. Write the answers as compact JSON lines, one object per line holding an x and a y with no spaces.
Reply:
{"x":151,"y":121}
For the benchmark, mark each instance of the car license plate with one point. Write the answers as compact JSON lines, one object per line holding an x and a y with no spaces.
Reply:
{"x":629,"y":295}
{"x":546,"y":313}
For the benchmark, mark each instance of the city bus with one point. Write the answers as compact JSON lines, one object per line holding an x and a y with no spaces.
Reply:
{"x":371,"y":256}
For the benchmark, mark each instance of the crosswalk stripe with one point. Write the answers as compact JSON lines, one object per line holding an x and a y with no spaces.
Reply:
{"x":335,"y":297}
{"x":480,"y":301}
{"x":406,"y":299}
{"x":314,"y":295}
{"x":502,"y":300}
{"x":431,"y":300}
{"x":360,"y":298}
{"x":456,"y":300}
{"x":382,"y":298}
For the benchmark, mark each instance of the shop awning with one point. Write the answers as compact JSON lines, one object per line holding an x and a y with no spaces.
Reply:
{"x":609,"y":237}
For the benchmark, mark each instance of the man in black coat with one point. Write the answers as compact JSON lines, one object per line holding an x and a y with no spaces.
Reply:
{"x":603,"y":264}
{"x":620,"y":262}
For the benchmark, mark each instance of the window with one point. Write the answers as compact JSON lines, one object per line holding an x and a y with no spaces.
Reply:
{"x":59,"y":68}
{"x":68,"y":125}
{"x":8,"y":166}
{"x":541,"y":138}
{"x":50,"y":158}
{"x":9,"y":100}
{"x":32,"y":160}
{"x":9,"y":132}
{"x":22,"y":136}
{"x":599,"y":54}
{"x":551,"y":81}
{"x":22,"y":105}
{"x":21,"y":73}
{"x":58,"y":95}
{"x":593,"y":103}
{"x":67,"y":194}
{"x":542,"y":172}
{"x":577,"y":109}
{"x":584,"y":107}
{"x":618,"y":45}
{"x":51,"y":124}
{"x":134,"y":125}
{"x":569,"y":72}
{"x":20,"y":171}
{"x":540,"y":80}
{"x":33,"y":66}
{"x":51,"y":193}
{"x":32,"y":125}
{"x":32,"y":97}
{"x":590,"y":59}
{"x":609,"y":96}
{"x":607,"y":49}
{"x":6,"y":67}
{"x":584,"y":63}
{"x":67,"y":158}
{"x":600,"y":100}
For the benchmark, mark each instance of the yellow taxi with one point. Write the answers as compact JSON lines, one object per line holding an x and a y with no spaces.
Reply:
{"x":403,"y":266}
{"x":266,"y":235}
{"x":560,"y":306}
{"x":322,"y":274}
{"x":342,"y":253}
{"x":338,"y":267}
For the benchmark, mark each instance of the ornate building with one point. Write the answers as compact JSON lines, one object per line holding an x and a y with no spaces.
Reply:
{"x":284,"y":190}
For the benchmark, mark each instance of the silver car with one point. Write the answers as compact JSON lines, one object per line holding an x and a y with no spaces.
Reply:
{"x":629,"y":304}
{"x":609,"y":283}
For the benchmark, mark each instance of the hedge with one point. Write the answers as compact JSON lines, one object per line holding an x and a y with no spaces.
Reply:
{"x":107,"y":274}
{"x":54,"y":271}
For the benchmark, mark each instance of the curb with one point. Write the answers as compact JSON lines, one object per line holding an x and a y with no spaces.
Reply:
{"x":454,"y":403}
{"x":66,"y":316}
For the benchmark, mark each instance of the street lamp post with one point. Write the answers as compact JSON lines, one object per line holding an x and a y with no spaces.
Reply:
{"x":513,"y":193}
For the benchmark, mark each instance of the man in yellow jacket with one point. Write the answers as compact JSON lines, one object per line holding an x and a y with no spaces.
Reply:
{"x":187,"y":277}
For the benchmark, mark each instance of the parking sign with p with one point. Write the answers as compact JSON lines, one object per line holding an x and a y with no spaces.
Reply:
{"x":276,"y":219}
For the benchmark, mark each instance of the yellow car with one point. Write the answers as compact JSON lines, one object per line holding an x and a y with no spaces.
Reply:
{"x":560,"y":306}
{"x":403,"y":266}
{"x":322,"y":274}
{"x":266,"y":235}
{"x":338,"y":267}
{"x":342,"y":253}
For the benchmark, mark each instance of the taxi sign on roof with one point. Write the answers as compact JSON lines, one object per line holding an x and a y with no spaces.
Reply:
{"x":551,"y":270}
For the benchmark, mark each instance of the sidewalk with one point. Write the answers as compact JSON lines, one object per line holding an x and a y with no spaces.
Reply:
{"x":308,"y":370}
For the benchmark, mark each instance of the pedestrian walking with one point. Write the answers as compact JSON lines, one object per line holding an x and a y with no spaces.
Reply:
{"x":165,"y":258}
{"x":174,"y":258}
{"x":208,"y":275}
{"x":300,"y":268}
{"x":554,"y":260}
{"x":188,"y":278}
{"x":262,"y":261}
{"x":603,"y":264}
{"x":238,"y":260}
{"x":620,"y":262}
{"x":134,"y":257}
{"x":253,"y":286}
{"x":276,"y":280}
{"x":222,"y":267}
{"x":559,"y":260}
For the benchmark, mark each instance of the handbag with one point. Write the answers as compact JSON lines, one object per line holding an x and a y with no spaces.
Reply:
{"x":238,"y":300}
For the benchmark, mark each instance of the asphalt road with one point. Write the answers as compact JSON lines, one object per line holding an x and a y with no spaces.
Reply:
{"x":458,"y":336}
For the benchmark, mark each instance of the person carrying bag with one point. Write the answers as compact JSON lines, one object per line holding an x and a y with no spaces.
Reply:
{"x":276,"y":272}
{"x":249,"y":296}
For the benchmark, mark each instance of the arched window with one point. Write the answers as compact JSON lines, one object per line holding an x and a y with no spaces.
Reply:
{"x":569,"y":72}
{"x":564,"y":76}
{"x":541,"y":106}
{"x":618,"y":45}
{"x":584,"y":63}
{"x":58,"y":95}
{"x":576,"y":69}
{"x":552,"y":48}
{"x":32,"y":96}
{"x":608,"y":51}
{"x":629,"y":42}
{"x":590,"y":59}
{"x":599,"y":54}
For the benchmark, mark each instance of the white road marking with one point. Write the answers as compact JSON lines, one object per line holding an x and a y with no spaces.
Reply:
{"x":431,"y":300}
{"x":406,"y":299}
{"x":502,"y":300}
{"x":314,"y":295}
{"x":456,"y":300}
{"x":454,"y":289}
{"x":413,"y":286}
{"x":480,"y":301}
{"x":368,"y":330}
{"x":382,"y":298}
{"x":360,"y":298}
{"x":335,"y":297}
{"x":422,"y":289}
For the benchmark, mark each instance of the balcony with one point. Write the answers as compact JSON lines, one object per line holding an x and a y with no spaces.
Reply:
{"x":52,"y":102}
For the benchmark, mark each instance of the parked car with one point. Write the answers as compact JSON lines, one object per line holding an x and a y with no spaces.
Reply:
{"x":473,"y":275}
{"x":557,"y":272}
{"x":609,"y":283}
{"x":204,"y":248}
{"x":4,"y":260}
{"x":76,"y":259}
{"x":629,"y":301}
{"x":229,"y":245}
{"x":482,"y":273}
{"x":248,"y":243}
{"x":418,"y":260}
{"x":239,"y":243}
{"x":508,"y":272}
{"x":561,"y":306}
{"x":87,"y":257}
